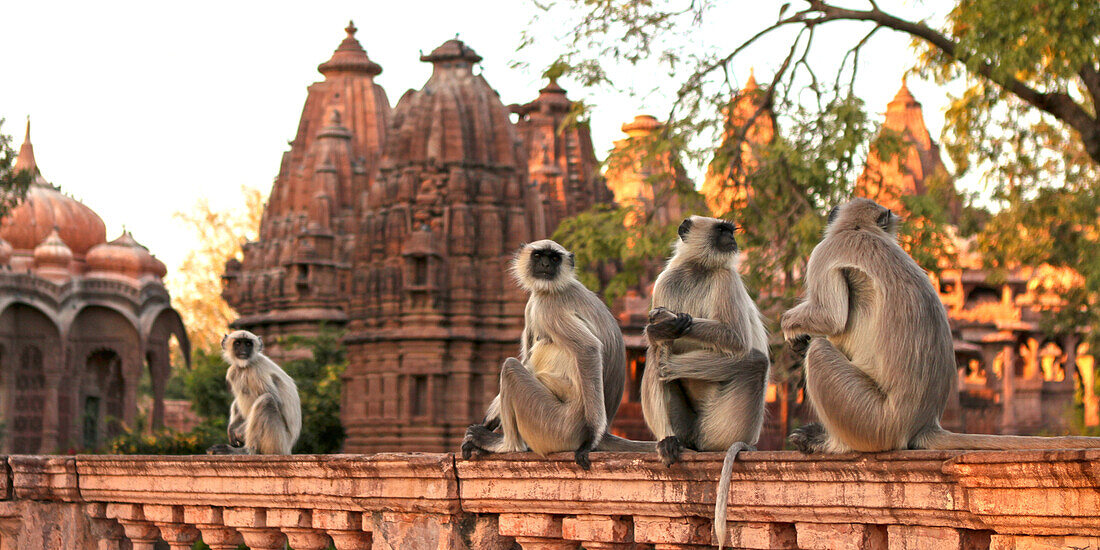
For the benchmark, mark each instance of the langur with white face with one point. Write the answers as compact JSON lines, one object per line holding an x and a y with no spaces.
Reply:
{"x":266,"y":414}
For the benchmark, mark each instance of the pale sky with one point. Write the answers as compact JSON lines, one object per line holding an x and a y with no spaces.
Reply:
{"x":140,"y":108}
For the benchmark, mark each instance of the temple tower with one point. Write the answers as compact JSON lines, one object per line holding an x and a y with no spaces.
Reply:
{"x":641,"y":173}
{"x":296,"y":276}
{"x":434,"y":312}
{"x":749,"y":124}
{"x":887,"y":180}
{"x":560,"y":160}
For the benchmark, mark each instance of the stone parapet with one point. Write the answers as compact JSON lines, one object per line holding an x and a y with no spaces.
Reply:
{"x":897,"y":501}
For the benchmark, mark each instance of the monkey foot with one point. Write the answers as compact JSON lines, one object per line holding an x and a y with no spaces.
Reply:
{"x":475,"y":434}
{"x":669,"y":450}
{"x":809,"y":438}
{"x":581,"y":458}
{"x":223,"y":449}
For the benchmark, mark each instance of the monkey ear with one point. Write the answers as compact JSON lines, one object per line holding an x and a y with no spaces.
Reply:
{"x":832,"y":214}
{"x":885,"y":219}
{"x":259,"y":343}
{"x":572,"y":260}
{"x":684,"y":229}
{"x":224,"y":338}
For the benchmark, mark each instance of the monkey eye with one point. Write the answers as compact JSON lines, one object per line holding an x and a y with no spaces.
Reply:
{"x":556,"y":259}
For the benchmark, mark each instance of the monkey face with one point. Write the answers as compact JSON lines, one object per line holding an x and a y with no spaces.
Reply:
{"x":722,"y":238}
{"x":243,"y":348}
{"x":545,"y":263}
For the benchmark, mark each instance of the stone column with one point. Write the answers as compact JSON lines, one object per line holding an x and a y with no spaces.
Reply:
{"x":50,"y":420}
{"x":297,"y":525}
{"x":347,"y":529}
{"x":172,"y":525}
{"x":1008,"y":389}
{"x":535,"y":531}
{"x":208,"y":520}
{"x":600,"y":532}
{"x":143,"y":534}
{"x":253,"y":527}
{"x":158,"y":373}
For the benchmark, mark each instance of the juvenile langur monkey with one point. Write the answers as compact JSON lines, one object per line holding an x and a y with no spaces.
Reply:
{"x":881,"y":364}
{"x":707,"y":364}
{"x":266,"y":415}
{"x":563,"y":391}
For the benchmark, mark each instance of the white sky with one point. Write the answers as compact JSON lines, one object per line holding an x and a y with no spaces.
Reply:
{"x":140,"y":108}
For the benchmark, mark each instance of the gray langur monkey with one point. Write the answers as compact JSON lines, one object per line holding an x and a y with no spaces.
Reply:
{"x":707,"y":366}
{"x":563,"y":391}
{"x":266,"y":414}
{"x":880,"y":365}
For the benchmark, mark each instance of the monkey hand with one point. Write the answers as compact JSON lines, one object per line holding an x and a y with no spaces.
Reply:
{"x":789,"y":324}
{"x":669,"y":450}
{"x":799,"y":344}
{"x":666,"y":325}
{"x":809,"y":438}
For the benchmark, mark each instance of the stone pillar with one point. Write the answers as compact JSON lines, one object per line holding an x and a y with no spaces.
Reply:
{"x":252,"y":524}
{"x":208,"y":520}
{"x":600,"y":532}
{"x":347,"y":529}
{"x":297,"y":525}
{"x":172,"y":525}
{"x":840,"y":536}
{"x":679,"y":533}
{"x":919,"y":537}
{"x":1008,"y":389}
{"x":143,"y":534}
{"x":158,"y":374}
{"x":535,"y":531}
{"x":106,"y":530}
{"x":50,"y":420}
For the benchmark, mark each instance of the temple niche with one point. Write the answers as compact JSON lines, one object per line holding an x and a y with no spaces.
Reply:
{"x":81,"y":321}
{"x":297,"y":276}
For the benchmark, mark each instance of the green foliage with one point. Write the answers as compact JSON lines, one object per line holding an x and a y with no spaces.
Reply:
{"x":134,"y":441}
{"x":319,"y":386}
{"x":205,"y":384}
{"x":13,"y":185}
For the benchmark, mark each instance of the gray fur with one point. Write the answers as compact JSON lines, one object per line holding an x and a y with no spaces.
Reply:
{"x":266,"y":414}
{"x":705,"y":379}
{"x":565,"y":388}
{"x":881,"y":364}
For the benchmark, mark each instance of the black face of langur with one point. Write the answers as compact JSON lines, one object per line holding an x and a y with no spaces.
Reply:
{"x":545,"y":263}
{"x":243,"y":346}
{"x":722,"y":237}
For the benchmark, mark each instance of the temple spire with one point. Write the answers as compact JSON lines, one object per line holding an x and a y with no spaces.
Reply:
{"x":25,"y":160}
{"x":349,"y":57}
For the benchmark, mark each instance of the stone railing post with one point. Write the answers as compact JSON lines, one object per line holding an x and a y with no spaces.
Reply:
{"x":535,"y":531}
{"x":347,"y":529}
{"x":11,"y":521}
{"x":664,"y":533}
{"x":208,"y":520}
{"x":841,"y":536}
{"x":173,"y":527}
{"x":253,"y":527}
{"x":143,"y":534}
{"x":297,"y":525}
{"x":107,"y":531}
{"x":600,"y":532}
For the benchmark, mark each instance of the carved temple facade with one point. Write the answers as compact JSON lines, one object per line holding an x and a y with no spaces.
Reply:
{"x":81,"y":320}
{"x":397,"y":225}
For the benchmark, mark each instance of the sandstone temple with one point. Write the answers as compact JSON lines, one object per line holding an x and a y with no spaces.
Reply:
{"x":397,"y":225}
{"x":81,"y":321}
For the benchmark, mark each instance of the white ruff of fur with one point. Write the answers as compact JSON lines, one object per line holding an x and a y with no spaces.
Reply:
{"x":521,"y":271}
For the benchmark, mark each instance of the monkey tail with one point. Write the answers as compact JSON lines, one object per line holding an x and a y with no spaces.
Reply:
{"x":618,"y":444}
{"x":945,"y":440}
{"x":722,"y":498}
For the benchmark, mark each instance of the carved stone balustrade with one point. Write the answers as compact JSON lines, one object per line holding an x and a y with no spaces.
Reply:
{"x":783,"y":500}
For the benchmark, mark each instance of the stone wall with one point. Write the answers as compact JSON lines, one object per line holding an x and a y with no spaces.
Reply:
{"x":900,"y":500}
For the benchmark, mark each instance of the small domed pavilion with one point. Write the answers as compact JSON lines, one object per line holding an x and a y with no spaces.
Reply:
{"x":80,"y":320}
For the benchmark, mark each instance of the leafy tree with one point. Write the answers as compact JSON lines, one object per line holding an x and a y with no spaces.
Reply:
{"x":319,"y":386}
{"x":13,"y":185}
{"x":196,"y":285}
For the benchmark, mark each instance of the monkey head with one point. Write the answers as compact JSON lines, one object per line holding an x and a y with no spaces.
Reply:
{"x":862,"y":214}
{"x":543,"y":266}
{"x":707,"y":241}
{"x":238,"y":348}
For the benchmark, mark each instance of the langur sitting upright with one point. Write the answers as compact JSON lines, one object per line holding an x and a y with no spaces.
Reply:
{"x":563,"y":391}
{"x":880,"y":365}
{"x":266,"y":416}
{"x":707,"y":365}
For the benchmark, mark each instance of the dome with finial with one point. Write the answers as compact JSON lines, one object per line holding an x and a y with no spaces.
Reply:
{"x":349,"y":57}
{"x":122,"y":256}
{"x":452,"y":50}
{"x":45,"y":208}
{"x":53,"y":253}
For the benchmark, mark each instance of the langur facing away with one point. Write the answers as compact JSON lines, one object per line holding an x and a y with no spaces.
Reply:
{"x":266,"y":415}
{"x":707,"y":365}
{"x":563,"y":391}
{"x":881,"y":364}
